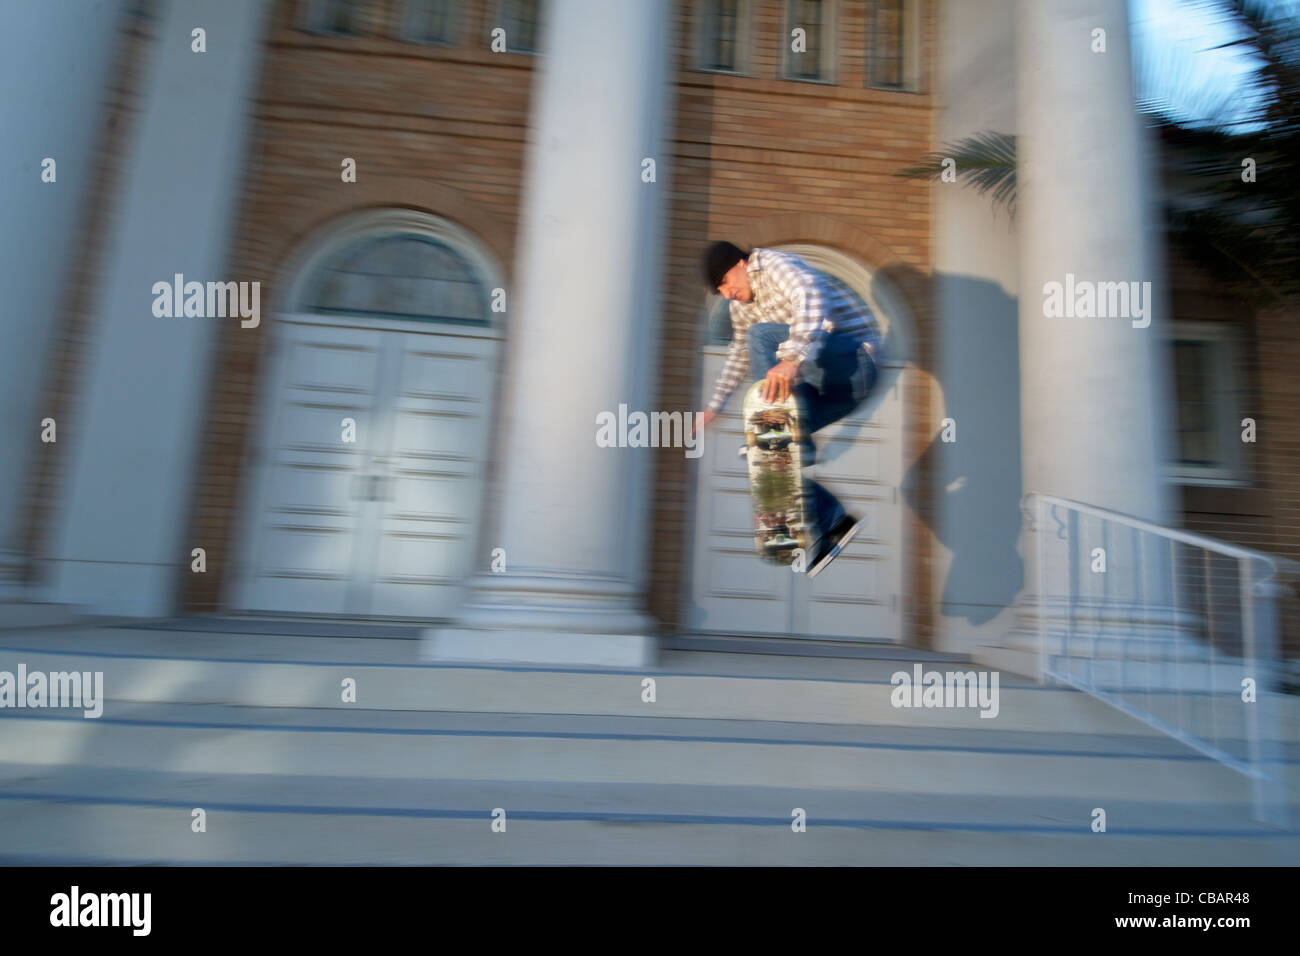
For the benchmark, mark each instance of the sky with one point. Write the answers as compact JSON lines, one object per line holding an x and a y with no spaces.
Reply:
{"x":1172,"y":41}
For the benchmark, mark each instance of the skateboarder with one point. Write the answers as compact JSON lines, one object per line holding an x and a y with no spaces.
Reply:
{"x":801,"y":334}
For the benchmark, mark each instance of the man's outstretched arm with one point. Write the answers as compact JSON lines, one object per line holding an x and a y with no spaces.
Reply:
{"x":731,"y":375}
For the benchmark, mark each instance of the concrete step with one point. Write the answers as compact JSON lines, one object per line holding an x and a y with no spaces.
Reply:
{"x":78,"y":815}
{"x":148,"y":835}
{"x":1199,"y":674}
{"x":24,"y":616}
{"x":1199,"y":701}
{"x":1192,"y":673}
{"x":1224,"y":675}
{"x":376,"y":745}
{"x":1132,"y":647}
{"x":835,"y":692}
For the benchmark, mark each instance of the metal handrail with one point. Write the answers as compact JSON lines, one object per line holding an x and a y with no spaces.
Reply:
{"x":1279,"y":563}
{"x":1258,"y":632}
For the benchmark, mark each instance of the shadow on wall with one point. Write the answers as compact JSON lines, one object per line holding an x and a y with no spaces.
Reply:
{"x":974,"y":476}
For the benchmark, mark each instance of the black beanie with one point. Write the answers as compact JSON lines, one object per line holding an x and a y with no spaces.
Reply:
{"x":719,"y":260}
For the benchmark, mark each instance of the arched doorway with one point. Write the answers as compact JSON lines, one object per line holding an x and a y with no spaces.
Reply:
{"x":859,"y":598}
{"x":368,"y":472}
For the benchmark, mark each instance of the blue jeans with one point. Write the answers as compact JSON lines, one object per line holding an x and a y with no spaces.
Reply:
{"x":829,"y":388}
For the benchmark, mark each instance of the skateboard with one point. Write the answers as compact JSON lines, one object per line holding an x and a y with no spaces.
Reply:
{"x":772,"y":434}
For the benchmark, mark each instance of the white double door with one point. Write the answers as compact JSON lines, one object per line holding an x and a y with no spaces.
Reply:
{"x":857,"y":597}
{"x":384,"y":524}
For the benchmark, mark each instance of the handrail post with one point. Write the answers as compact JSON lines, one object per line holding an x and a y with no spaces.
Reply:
{"x":1259,"y":635}
{"x":1040,"y":550}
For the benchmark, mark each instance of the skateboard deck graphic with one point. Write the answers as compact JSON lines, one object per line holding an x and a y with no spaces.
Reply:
{"x":772,"y":433}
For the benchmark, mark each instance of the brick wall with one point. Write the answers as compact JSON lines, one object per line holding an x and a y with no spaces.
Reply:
{"x":1265,"y":515}
{"x":1278,"y":444}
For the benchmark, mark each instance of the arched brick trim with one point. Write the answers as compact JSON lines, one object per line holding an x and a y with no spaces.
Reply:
{"x":221,"y":485}
{"x":849,"y":239}
{"x":809,"y":227}
{"x":389,"y":192}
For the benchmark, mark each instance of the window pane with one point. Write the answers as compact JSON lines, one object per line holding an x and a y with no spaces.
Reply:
{"x":427,"y":21}
{"x":720,"y":323}
{"x":339,"y":16}
{"x":521,"y":25}
{"x":405,"y":276}
{"x":720,"y":32}
{"x":806,"y":14}
{"x":887,"y":46}
{"x":1198,"y":439}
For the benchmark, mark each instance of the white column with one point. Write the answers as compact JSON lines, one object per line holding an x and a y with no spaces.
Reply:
{"x":1094,"y":395}
{"x":584,"y":328}
{"x":55,"y":62}
{"x":118,"y":544}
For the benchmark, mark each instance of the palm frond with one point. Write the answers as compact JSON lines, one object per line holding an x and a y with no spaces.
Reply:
{"x":985,"y":161}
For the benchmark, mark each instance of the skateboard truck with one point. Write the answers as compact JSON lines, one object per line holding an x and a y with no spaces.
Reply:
{"x":782,"y":542}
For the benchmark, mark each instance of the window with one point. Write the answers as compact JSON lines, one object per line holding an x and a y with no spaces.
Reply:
{"x":400,"y":276}
{"x":519,"y":18}
{"x":722,"y":35}
{"x":333,"y":17}
{"x":893,"y":60}
{"x":808,"y":51}
{"x":427,"y":21}
{"x":887,"y":45}
{"x":1207,"y":387}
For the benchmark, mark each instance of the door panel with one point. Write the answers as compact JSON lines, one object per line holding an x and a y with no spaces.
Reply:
{"x":385,"y":526}
{"x":860,"y":461}
{"x":303,"y":553}
{"x":734,"y":592}
{"x":429,"y":517}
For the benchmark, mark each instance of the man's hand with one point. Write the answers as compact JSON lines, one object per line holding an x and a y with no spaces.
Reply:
{"x":701,"y":419}
{"x":776,"y":387}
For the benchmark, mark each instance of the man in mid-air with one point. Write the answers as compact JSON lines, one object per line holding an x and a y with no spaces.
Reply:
{"x":800,"y":334}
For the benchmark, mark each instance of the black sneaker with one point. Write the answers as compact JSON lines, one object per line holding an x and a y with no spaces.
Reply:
{"x":831,"y":544}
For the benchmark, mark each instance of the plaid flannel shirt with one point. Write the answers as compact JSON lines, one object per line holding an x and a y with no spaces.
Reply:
{"x":787,"y":289}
